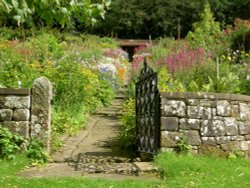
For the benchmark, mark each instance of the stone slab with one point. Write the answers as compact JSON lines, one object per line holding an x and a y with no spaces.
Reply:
{"x":14,"y":91}
{"x":145,"y":166}
{"x":202,"y":95}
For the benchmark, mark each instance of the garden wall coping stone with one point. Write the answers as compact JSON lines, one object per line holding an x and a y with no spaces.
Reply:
{"x":201,"y":95}
{"x":14,"y":91}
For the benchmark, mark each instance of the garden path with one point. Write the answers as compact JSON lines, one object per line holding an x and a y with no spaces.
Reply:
{"x":95,"y":151}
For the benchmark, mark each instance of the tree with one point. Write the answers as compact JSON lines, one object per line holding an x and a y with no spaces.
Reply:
{"x":141,"y":18}
{"x":226,"y":11}
{"x":205,"y":30}
{"x":51,"y":12}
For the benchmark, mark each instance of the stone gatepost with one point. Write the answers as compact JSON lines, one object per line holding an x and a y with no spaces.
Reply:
{"x":41,"y":111}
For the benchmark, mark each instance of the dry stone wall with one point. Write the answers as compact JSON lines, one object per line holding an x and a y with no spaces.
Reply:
{"x":28,"y":111}
{"x":15,"y":110}
{"x":218,"y":123}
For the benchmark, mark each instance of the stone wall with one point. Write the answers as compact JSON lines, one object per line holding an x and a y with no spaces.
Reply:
{"x":15,"y":110}
{"x":28,"y":111}
{"x":217,"y":123}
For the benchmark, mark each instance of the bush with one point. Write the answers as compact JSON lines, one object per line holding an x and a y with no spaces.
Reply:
{"x":9,"y":143}
{"x":35,"y":151}
{"x":128,"y":133}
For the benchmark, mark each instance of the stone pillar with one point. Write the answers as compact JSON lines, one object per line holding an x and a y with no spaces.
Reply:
{"x":41,"y":111}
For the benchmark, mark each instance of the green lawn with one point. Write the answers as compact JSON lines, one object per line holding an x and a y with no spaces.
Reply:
{"x":178,"y":171}
{"x":202,"y":171}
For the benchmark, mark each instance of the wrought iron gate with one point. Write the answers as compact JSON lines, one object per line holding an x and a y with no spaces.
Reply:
{"x":147,"y":111}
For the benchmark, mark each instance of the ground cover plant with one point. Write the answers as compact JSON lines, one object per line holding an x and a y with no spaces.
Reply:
{"x":12,"y":145}
{"x":9,"y":143}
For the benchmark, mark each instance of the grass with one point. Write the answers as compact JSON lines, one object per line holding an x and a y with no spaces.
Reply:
{"x":178,"y":170}
{"x":203,"y":171}
{"x":73,"y":183}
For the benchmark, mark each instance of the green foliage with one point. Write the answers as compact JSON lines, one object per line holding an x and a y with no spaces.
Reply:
{"x":166,"y":82}
{"x":205,"y":32}
{"x":204,"y":78}
{"x":35,"y":151}
{"x":236,"y":154}
{"x":245,"y":85}
{"x":128,"y":133}
{"x":52,"y":12}
{"x":137,"y":19}
{"x":189,"y":68}
{"x":183,"y":146}
{"x":105,"y":93}
{"x":158,"y":18}
{"x":227,"y":10}
{"x":240,"y":35}
{"x":68,"y":121}
{"x":9,"y":143}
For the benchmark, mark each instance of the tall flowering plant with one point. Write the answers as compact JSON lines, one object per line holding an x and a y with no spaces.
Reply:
{"x":183,"y":59}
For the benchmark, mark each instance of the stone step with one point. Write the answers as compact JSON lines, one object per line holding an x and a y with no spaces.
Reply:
{"x":122,"y":91}
{"x":114,"y":168}
{"x":112,"y":107}
{"x":109,"y":113}
{"x":120,"y":96}
{"x":117,"y":103}
{"x":112,"y":165}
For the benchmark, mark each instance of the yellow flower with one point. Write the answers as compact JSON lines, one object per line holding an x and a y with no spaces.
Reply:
{"x":49,"y":62}
{"x":223,"y":57}
{"x":229,"y":58}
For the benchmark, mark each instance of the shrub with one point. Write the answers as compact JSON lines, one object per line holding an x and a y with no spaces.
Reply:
{"x":9,"y":143}
{"x":206,"y":32}
{"x":239,"y":35}
{"x":128,"y":133}
{"x":35,"y":151}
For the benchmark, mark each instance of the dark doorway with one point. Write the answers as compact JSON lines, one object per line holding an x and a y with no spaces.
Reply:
{"x":130,"y":45}
{"x":130,"y":50}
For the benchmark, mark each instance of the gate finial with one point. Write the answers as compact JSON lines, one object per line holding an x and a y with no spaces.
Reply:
{"x":146,"y":70}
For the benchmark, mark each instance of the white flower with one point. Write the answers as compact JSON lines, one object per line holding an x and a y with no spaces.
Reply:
{"x":107,"y":68}
{"x":19,"y":83}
